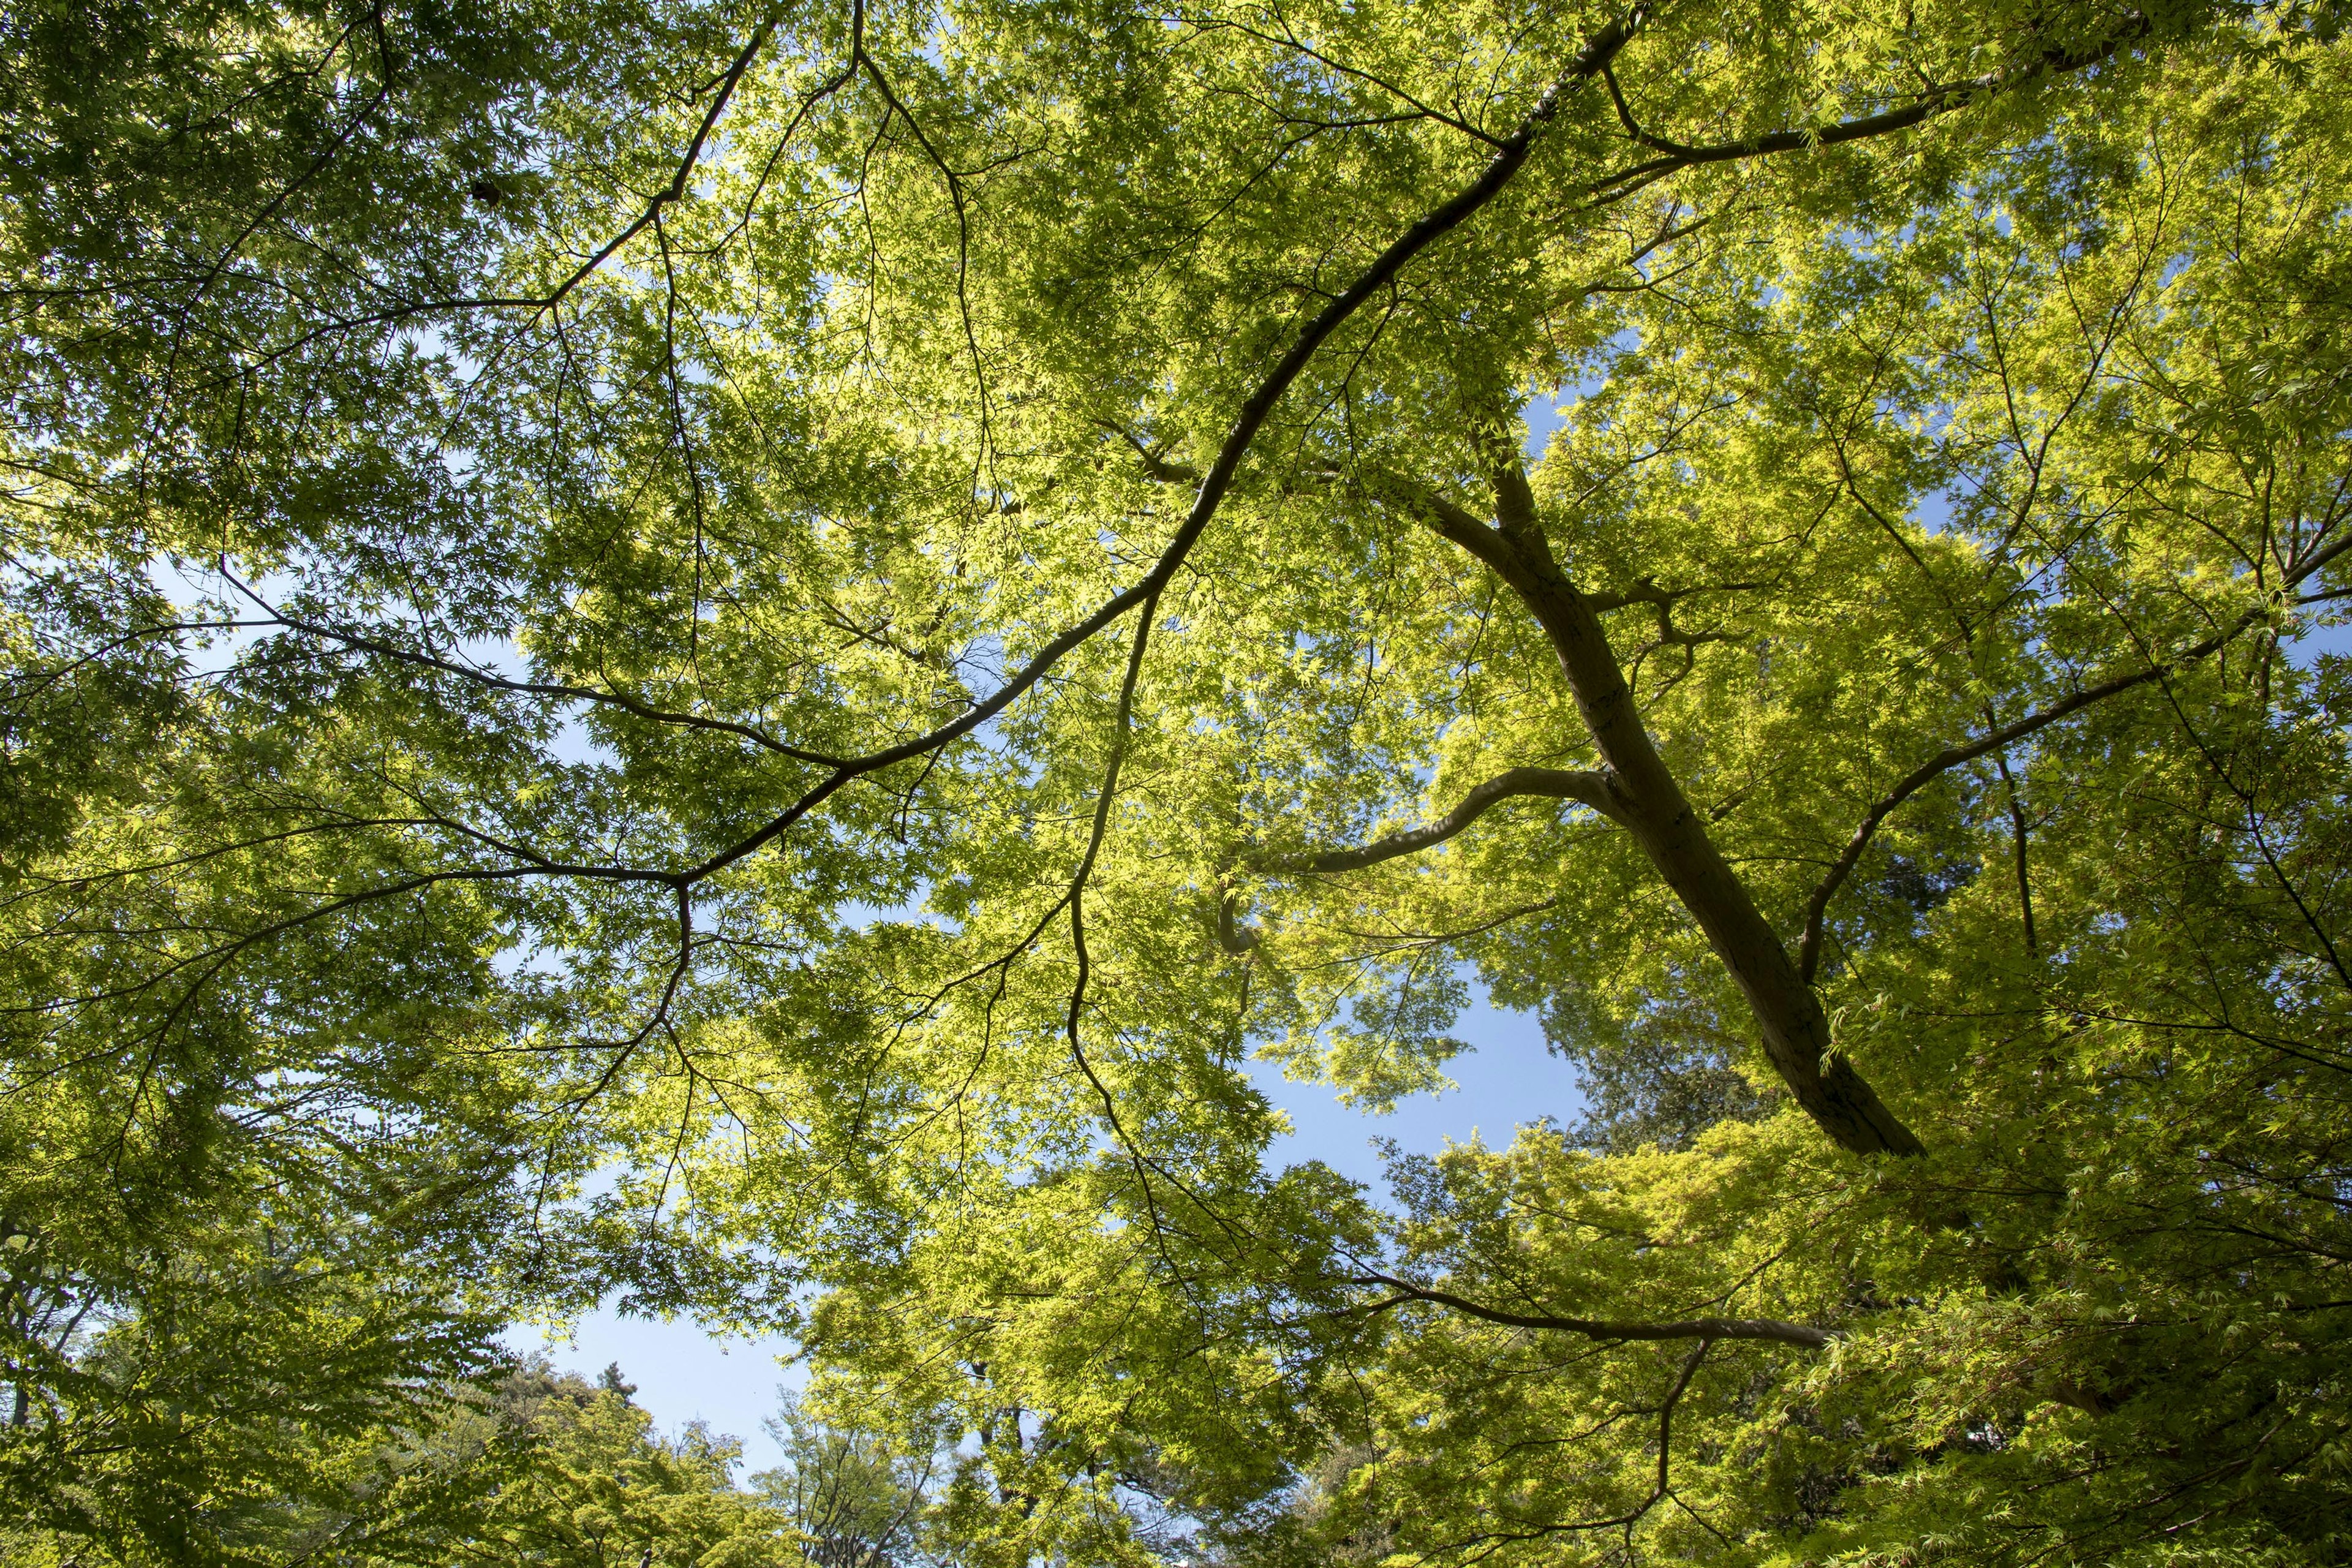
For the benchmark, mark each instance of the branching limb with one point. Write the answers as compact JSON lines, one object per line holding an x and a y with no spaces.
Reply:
{"x":2017,"y":833}
{"x":1661,"y":1489}
{"x":1647,"y":592}
{"x":1597,"y":790}
{"x":1216,"y":483}
{"x":559,"y":691}
{"x":1076,"y":899}
{"x":539,"y":305}
{"x":1156,"y":461}
{"x":1676,"y":156}
{"x":1232,"y":935}
{"x":1240,"y":437}
{"x":729,"y":80}
{"x":270,"y":208}
{"x":1399,"y":939}
{"x":1653,"y":809}
{"x":1950,"y":757}
{"x":1662,"y":602}
{"x":1142,"y":1163}
{"x":1700,"y":1328}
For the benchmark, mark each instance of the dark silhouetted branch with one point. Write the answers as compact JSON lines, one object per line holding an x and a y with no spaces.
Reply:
{"x":1593,"y":789}
{"x":1765,"y":1329}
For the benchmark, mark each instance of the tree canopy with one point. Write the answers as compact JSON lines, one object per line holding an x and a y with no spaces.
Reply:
{"x":746,"y":655}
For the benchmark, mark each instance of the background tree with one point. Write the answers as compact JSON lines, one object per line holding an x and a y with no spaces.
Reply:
{"x":849,"y":1498}
{"x":585,"y":1481}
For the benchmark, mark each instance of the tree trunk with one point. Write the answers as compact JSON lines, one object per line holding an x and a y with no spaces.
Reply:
{"x":1788,"y":1015}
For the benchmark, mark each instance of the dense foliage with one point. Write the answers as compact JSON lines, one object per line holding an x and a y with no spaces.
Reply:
{"x":745,"y":656}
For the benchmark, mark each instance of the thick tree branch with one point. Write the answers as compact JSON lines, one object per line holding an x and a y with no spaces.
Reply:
{"x":1794,"y":1031}
{"x":1586,"y":788}
{"x":1677,"y":156}
{"x":1509,"y":158}
{"x":1764,"y":1329}
{"x":1232,"y":935}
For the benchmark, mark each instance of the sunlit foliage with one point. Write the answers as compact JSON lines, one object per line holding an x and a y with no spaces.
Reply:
{"x":746,"y":657}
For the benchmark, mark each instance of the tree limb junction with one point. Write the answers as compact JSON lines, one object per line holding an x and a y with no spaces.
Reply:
{"x":1794,"y":1030}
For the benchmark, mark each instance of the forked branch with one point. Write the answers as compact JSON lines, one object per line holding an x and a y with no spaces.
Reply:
{"x":491,"y":680}
{"x":1658,"y":814}
{"x":1218,"y":480}
{"x":1950,"y":757}
{"x":1676,"y":156}
{"x":1510,"y":156}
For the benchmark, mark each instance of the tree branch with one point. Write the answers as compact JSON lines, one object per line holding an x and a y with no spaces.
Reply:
{"x":1653,"y":809}
{"x":1254,"y":410}
{"x":1510,"y":157}
{"x":1765,"y":1329}
{"x":1678,"y":156}
{"x":620,"y":700}
{"x":1950,"y":757}
{"x":1596,"y":790}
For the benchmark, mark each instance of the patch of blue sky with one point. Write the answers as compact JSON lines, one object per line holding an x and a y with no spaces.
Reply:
{"x":683,"y":1373}
{"x":1546,"y":407}
{"x":2306,"y":650}
{"x":225,"y":623}
{"x":857,"y":915}
{"x":1507,"y":1080}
